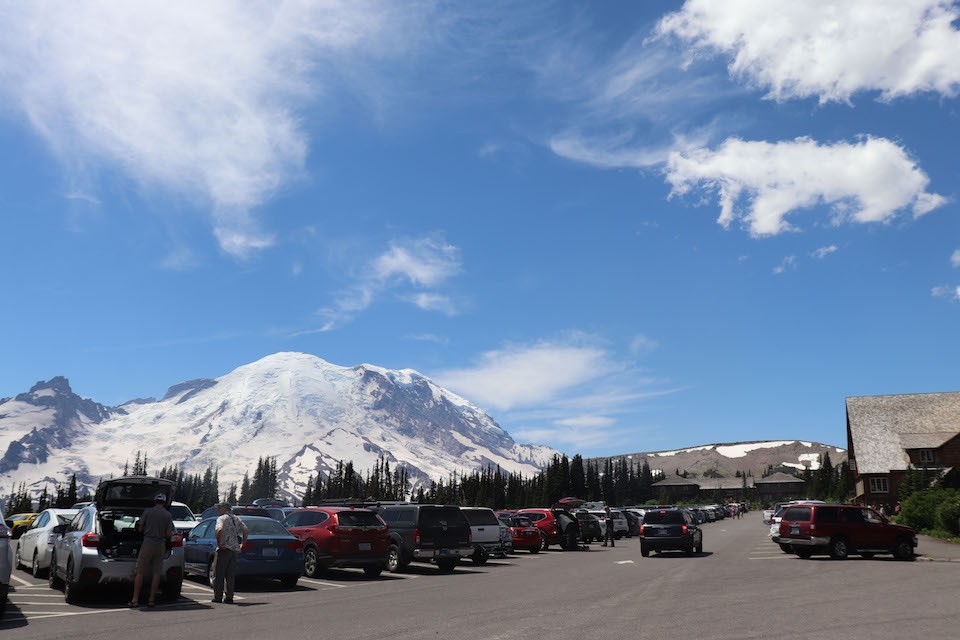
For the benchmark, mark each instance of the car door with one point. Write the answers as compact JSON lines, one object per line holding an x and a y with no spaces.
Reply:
{"x":197,"y":550}
{"x":28,"y":541}
{"x":71,"y":541}
{"x":874,"y":531}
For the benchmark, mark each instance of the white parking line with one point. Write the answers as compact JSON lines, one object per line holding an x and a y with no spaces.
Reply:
{"x":42,"y":604}
{"x":40,"y":595}
{"x":625,"y":562}
{"x":782,"y":556}
{"x":21,"y":580}
{"x":325,"y":584}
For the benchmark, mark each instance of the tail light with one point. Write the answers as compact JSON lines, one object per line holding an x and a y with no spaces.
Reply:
{"x":643,"y":530}
{"x":176,"y":540}
{"x":296,"y":545}
{"x":90,"y":540}
{"x":246,"y":546}
{"x":416,"y":537}
{"x":683,"y":530}
{"x":52,"y":539}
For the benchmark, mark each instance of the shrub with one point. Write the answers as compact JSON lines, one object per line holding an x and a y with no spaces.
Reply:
{"x":948,"y":515}
{"x":920,"y":510}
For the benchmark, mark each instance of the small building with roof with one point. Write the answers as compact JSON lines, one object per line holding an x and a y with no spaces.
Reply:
{"x":675,"y":489}
{"x":726,"y":488}
{"x":888,"y":434}
{"x":778,"y":487}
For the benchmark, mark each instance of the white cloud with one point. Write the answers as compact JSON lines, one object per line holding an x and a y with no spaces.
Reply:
{"x":788,"y":263}
{"x":762,"y":182}
{"x":429,"y":337}
{"x":586,"y":421}
{"x":946,"y":291}
{"x":180,"y":258}
{"x":522,"y":376}
{"x":955,"y":258}
{"x":419,"y":262}
{"x":823,"y":252}
{"x":828,"y":50}
{"x":641,"y":344}
{"x":197,"y":99}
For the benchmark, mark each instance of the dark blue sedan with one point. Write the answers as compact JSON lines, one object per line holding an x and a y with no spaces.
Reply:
{"x":270,"y":552}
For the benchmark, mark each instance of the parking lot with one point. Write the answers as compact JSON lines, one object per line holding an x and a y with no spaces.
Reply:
{"x":741,"y":586}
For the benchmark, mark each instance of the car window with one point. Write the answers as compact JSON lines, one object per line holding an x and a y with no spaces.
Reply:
{"x":292,"y":520}
{"x":663,"y":517}
{"x":441,"y":516}
{"x":397,"y":515}
{"x":872,"y":516}
{"x":853,"y":516}
{"x":535,"y":516}
{"x":201,"y":530}
{"x":358,"y":518}
{"x":480,"y":517}
{"x":41,"y":521}
{"x":63,"y":519}
{"x":827,"y":514}
{"x":797,"y":514}
{"x":265,"y":527}
{"x":181,"y":513}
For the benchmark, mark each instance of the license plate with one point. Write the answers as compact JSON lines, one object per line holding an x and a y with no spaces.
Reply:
{"x":663,"y":532}
{"x":795,"y":530}
{"x":270,"y":552}
{"x":363,"y":546}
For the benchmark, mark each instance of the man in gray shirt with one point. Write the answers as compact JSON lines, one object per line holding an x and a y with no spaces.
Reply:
{"x":156,"y":525}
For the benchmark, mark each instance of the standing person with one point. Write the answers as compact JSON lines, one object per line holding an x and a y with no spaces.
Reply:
{"x":608,"y":519}
{"x":231,"y":535}
{"x":156,"y":525}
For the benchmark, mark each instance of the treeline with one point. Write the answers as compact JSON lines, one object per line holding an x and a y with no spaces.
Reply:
{"x":345,"y":482}
{"x":20,"y":501}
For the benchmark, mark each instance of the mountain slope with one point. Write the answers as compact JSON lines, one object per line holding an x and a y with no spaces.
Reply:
{"x":300,"y":409}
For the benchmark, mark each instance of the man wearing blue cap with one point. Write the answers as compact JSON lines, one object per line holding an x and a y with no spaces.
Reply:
{"x":156,"y":525}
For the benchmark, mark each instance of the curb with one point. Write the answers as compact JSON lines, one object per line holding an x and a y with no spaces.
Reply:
{"x":929,"y":559}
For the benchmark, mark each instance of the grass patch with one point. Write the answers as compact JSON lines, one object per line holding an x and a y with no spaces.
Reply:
{"x":940,"y":534}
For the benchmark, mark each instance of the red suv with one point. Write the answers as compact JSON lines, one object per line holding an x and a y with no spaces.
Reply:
{"x":340,"y":537}
{"x":557,"y":526}
{"x":843,"y":529}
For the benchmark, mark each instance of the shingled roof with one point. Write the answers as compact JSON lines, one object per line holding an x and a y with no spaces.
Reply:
{"x":779,"y":478}
{"x":883,"y":427}
{"x":676,"y":481}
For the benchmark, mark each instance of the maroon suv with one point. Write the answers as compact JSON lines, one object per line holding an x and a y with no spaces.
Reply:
{"x":340,"y":537}
{"x":843,"y":529}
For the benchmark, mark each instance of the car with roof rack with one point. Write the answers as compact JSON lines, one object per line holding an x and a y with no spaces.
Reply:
{"x":340,"y":537}
{"x":841,"y":530}
{"x":670,"y":530}
{"x":426,"y":533}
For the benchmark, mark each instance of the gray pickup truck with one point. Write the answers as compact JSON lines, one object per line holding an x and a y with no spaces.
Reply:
{"x":426,"y":533}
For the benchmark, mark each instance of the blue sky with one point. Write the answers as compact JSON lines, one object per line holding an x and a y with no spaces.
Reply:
{"x":615,"y":226}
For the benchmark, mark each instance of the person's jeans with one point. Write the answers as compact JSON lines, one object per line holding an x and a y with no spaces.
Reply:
{"x":610,"y":537}
{"x":224,"y":569}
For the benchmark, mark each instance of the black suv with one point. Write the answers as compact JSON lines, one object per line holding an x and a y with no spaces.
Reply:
{"x":426,"y":533}
{"x":670,"y":529}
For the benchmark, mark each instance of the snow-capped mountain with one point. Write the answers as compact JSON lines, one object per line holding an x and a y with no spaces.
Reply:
{"x":305,"y":412}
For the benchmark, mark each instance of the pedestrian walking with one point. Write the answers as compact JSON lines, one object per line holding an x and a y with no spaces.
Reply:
{"x":231,"y":536}
{"x":608,"y":520}
{"x":156,"y":525}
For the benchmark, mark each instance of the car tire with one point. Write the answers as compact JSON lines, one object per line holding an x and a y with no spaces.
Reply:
{"x":372,"y":572}
{"x":867,"y":555}
{"x":644,"y":551}
{"x":312,"y":567}
{"x":17,"y":558}
{"x":700,"y":547}
{"x":71,"y":590}
{"x":804,"y":553}
{"x":289,"y":580}
{"x":839,"y":548}
{"x":545,"y":544}
{"x":35,"y":569}
{"x":53,"y":580}
{"x":447,"y":565}
{"x":534,"y":549}
{"x":394,"y":559}
{"x":904,"y":550}
{"x":479,"y":558}
{"x":172,"y":589}
{"x":689,"y":550}
{"x":786,"y":548}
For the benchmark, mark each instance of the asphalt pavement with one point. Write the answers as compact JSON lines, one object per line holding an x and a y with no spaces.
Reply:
{"x":741,"y":586}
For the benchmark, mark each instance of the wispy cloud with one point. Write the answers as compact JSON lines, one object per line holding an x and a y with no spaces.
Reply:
{"x":828,"y":51}
{"x":642,"y":344}
{"x":946,"y":291}
{"x":429,"y":337}
{"x":408,"y":263}
{"x":823,"y":252}
{"x":955,"y":258}
{"x":83,"y":197}
{"x":789,"y":263}
{"x":199,"y":100}
{"x":180,"y":258}
{"x":763,"y":182}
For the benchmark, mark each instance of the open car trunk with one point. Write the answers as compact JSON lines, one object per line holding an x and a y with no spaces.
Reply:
{"x":120,"y":503}
{"x":119,"y":537}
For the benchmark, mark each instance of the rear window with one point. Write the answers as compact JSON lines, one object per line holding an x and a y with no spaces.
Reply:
{"x":397,"y":515}
{"x":520,"y":521}
{"x":535,"y":517}
{"x":797,"y":514}
{"x":265,"y":527}
{"x":480,"y":517}
{"x":441,"y":516}
{"x":181,"y":513}
{"x":663,"y":517}
{"x":358,"y":519}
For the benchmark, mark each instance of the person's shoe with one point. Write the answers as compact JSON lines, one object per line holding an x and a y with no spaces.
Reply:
{"x":217,"y":600}
{"x":228,"y":601}
{"x":133,"y":604}
{"x":151,"y":604}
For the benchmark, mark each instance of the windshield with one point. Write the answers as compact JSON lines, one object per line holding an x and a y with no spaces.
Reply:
{"x":265,"y":527}
{"x":181,"y":513}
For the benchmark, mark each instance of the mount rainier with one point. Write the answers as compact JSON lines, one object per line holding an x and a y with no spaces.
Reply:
{"x":305,"y":412}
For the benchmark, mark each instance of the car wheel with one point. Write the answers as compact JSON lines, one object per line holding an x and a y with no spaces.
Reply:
{"x":35,"y":569}
{"x":53,"y":580}
{"x":372,"y":572}
{"x":804,"y":553}
{"x":394,"y":563}
{"x":447,"y":565}
{"x":903,"y":550}
{"x":479,"y":558}
{"x":839,"y":549}
{"x":172,"y":589}
{"x":534,"y":549}
{"x":786,"y":548}
{"x":71,"y":590}
{"x":644,"y":551}
{"x":545,"y":543}
{"x":17,"y":558}
{"x":689,"y":549}
{"x":700,"y":547}
{"x":312,"y":568}
{"x":289,"y":580}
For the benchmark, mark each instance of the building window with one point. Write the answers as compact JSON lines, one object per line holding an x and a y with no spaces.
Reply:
{"x":879,"y":485}
{"x":926,"y":457}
